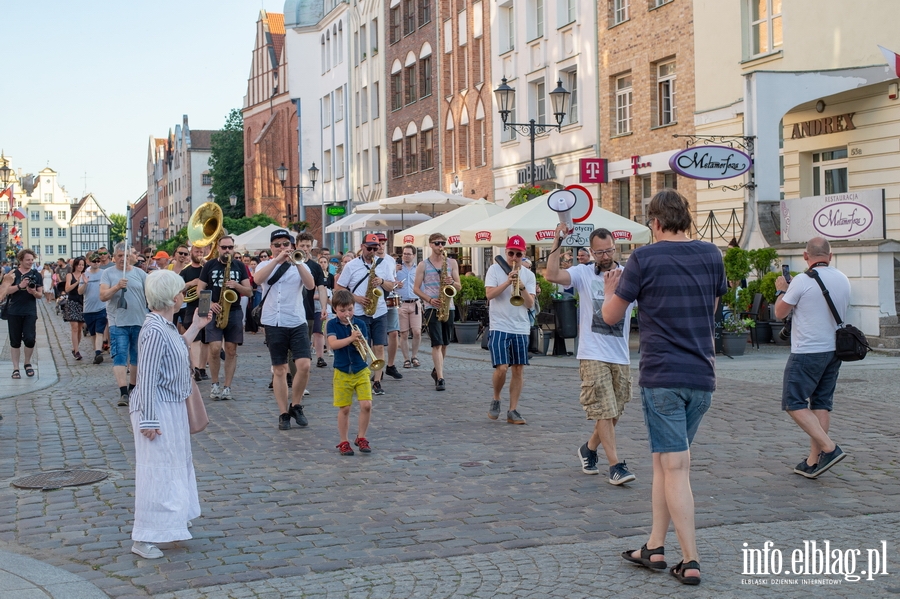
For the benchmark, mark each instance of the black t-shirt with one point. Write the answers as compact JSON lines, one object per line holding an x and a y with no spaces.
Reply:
{"x":189,"y":273}
{"x":22,"y":303}
{"x":213,"y":274}
{"x":74,"y":296}
{"x":319,"y":278}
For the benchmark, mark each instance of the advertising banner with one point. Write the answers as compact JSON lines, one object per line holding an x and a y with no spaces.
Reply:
{"x":852,"y":215}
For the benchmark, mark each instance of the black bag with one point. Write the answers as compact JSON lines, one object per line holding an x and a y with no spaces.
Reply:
{"x":4,"y":309}
{"x":535,"y":340}
{"x":256,"y":313}
{"x":850,"y":344}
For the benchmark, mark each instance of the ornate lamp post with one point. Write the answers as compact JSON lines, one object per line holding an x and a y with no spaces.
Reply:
{"x":282,"y":172}
{"x":559,"y":99}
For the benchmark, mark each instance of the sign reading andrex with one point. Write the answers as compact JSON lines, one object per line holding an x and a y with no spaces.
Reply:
{"x":710,"y":163}
{"x":853,"y":215}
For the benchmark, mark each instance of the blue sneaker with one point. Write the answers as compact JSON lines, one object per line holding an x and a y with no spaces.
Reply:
{"x":619,"y":474}
{"x":805,"y":470}
{"x":827,"y":460}
{"x":588,"y":460}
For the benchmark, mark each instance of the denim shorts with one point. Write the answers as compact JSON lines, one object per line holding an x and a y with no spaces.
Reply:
{"x":123,"y":345}
{"x":812,"y":377}
{"x":393,"y":320}
{"x":95,"y":322}
{"x":377,"y":329}
{"x":672,"y":416}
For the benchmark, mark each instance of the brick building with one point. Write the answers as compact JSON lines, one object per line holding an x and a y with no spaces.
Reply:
{"x":413,"y":101}
{"x":647,"y":47}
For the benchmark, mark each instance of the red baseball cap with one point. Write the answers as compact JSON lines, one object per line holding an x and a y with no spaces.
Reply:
{"x":371,"y":239}
{"x":516,"y":243}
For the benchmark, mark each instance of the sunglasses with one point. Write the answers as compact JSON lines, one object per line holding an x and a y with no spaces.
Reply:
{"x":440,"y":243}
{"x":285,"y":244}
{"x":183,"y":253}
{"x":226,"y":247}
{"x":370,"y":249}
{"x":103,"y":253}
{"x":516,"y":254}
{"x":95,"y":261}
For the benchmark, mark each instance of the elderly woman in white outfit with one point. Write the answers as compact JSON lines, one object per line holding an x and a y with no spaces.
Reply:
{"x":165,"y":494}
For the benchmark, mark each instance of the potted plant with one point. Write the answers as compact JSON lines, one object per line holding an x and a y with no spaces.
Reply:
{"x":734,"y":328}
{"x":472,"y":289}
{"x":524,"y":194}
{"x":545,"y":319}
{"x":734,"y":335}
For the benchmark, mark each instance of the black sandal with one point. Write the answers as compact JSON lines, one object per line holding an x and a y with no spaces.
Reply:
{"x":678,"y":572}
{"x":16,"y":374}
{"x":29,"y":370}
{"x":644,"y":560}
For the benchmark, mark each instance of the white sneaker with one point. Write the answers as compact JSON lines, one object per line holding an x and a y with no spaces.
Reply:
{"x":190,"y":524}
{"x":146,"y":550}
{"x":215,"y":392}
{"x":226,"y":394}
{"x":306,"y":392}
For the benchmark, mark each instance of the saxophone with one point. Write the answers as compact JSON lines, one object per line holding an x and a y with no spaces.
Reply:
{"x":373,"y":292}
{"x":448,"y":292}
{"x":226,"y":298}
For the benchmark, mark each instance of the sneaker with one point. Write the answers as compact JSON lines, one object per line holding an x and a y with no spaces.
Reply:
{"x":215,"y":392}
{"x":434,"y":375}
{"x":290,"y":381}
{"x":226,"y":394}
{"x":619,"y":474}
{"x":98,"y":358}
{"x":123,"y":400}
{"x":827,"y":460}
{"x":197,"y":375}
{"x":296,"y":411}
{"x":363,"y":445}
{"x":321,"y":363}
{"x":344,"y":448}
{"x":494,"y":411}
{"x":440,"y":386}
{"x":305,"y":392}
{"x":284,"y":422}
{"x":513,"y":417}
{"x":106,"y":346}
{"x":393,"y":372}
{"x":805,"y":470}
{"x":376,"y":388}
{"x":222,"y":354}
{"x":588,"y":460}
{"x":146,"y":550}
{"x":203,"y":375}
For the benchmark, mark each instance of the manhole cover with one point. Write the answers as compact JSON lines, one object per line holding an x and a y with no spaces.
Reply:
{"x":405,"y":457}
{"x":47,"y":481}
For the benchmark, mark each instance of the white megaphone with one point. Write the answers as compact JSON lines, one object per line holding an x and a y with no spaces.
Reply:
{"x":562,"y":201}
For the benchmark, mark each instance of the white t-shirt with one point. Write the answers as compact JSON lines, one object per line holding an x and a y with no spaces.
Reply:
{"x":814,"y":326}
{"x":504,"y":316}
{"x":284,"y":303}
{"x":596,"y":339}
{"x":356,"y":270}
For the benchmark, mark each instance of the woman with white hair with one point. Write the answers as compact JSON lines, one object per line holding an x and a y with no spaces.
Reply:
{"x":165,"y":493}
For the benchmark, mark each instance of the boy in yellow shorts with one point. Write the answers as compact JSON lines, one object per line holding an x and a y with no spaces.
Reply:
{"x":351,"y":373}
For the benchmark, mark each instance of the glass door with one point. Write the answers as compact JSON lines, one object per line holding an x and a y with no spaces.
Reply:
{"x":830,"y":172}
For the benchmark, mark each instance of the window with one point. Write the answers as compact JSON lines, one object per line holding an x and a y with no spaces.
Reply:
{"x":373,"y":33}
{"x":427,"y":149}
{"x":478,"y":60}
{"x":412,"y":154}
{"x":48,"y":250}
{"x":206,"y":179}
{"x":61,"y":215}
{"x":567,"y":11}
{"x":571,"y":82}
{"x":670,"y":181}
{"x":48,"y":198}
{"x":463,"y":139}
{"x":63,"y":249}
{"x":356,"y":107}
{"x":48,"y":215}
{"x":339,"y":104}
{"x":324,"y":59}
{"x":326,"y":111}
{"x":375,"y":102}
{"x":396,"y":91}
{"x":60,"y":232}
{"x":398,"y":158}
{"x":365,"y":167}
{"x":35,"y":215}
{"x":462,"y":72}
{"x":365,"y":104}
{"x":623,"y":105}
{"x":424,"y":12}
{"x":35,"y":231}
{"x":535,"y":19}
{"x":539,"y":102}
{"x":618,"y":12}
{"x":339,"y":162}
{"x":411,"y":83}
{"x":425,"y":75}
{"x":508,"y":133}
{"x":665,"y":94}
{"x":395,"y":25}
{"x":624,"y":198}
{"x":326,"y":163}
{"x":480,"y":145}
{"x":376,"y":165}
{"x":507,"y":40}
{"x":765,"y":26}
{"x":409,"y":16}
{"x":361,"y":41}
{"x":48,"y":231}
{"x":830,"y":172}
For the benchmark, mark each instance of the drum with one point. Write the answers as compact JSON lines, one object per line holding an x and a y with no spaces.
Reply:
{"x":392,"y":300}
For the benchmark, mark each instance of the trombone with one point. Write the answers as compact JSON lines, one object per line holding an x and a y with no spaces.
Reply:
{"x":364,"y":350}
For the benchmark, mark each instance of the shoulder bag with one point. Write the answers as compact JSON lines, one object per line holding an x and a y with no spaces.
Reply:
{"x":850,"y":344}
{"x":198,"y":419}
{"x":256,"y":313}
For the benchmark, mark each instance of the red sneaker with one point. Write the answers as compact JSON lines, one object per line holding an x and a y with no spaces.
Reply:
{"x":363,"y":445}
{"x":345,"y":449}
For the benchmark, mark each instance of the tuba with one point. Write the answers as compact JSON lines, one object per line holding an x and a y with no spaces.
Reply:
{"x":205,"y":227}
{"x":373,"y":292}
{"x":516,"y":298}
{"x":191,"y":294}
{"x":226,"y":298}
{"x":364,"y":350}
{"x":448,"y":292}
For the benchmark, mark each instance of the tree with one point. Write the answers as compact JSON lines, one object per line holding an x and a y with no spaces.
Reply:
{"x":236,"y":226}
{"x":226,"y":164}
{"x":117,"y":230}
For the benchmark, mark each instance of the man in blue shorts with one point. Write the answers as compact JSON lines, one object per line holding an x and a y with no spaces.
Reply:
{"x":94,"y":309}
{"x":677,"y":283}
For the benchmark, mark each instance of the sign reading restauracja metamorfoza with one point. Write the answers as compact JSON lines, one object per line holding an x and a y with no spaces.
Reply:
{"x":852,"y":215}
{"x":710,"y":163}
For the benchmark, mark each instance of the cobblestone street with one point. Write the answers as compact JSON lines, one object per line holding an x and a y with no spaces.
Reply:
{"x":449,"y":503}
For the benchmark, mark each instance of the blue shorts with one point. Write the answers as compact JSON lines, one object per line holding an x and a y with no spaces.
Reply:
{"x":508,"y":348}
{"x":672,"y":416}
{"x":393,"y":320}
{"x":812,"y":377}
{"x":377,"y":329}
{"x":95,"y":322}
{"x":123,"y":345}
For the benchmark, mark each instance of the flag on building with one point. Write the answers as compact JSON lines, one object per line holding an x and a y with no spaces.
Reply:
{"x":8,"y":192}
{"x":893,"y":60}
{"x":17,"y":213}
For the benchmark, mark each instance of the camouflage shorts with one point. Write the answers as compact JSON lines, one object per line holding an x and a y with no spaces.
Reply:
{"x":605,"y":389}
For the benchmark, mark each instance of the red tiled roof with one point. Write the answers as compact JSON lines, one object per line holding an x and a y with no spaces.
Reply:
{"x":276,"y":23}
{"x":201,"y":139}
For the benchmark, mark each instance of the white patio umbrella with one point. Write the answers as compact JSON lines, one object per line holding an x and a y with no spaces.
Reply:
{"x":386,"y":222}
{"x":256,"y":238}
{"x":343,"y":225}
{"x":448,"y":223}
{"x":536,"y":223}
{"x":424,"y":201}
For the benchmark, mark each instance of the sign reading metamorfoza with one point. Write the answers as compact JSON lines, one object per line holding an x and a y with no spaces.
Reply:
{"x":853,"y":215}
{"x":710,"y":163}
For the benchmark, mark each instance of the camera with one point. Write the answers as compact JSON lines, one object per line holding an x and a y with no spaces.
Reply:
{"x":785,"y":332}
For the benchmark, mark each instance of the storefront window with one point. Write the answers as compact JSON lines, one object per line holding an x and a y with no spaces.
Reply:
{"x":829,"y":172}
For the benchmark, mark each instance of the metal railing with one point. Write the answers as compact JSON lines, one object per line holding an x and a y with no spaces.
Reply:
{"x":715,"y":226}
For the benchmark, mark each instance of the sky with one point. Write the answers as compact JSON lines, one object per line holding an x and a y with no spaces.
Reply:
{"x":87,"y":83}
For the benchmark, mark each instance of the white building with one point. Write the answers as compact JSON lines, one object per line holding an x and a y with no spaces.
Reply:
{"x":46,"y":230}
{"x":89,"y":226}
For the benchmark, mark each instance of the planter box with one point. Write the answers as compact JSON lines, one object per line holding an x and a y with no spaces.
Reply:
{"x":734,"y":344}
{"x":764,"y":332}
{"x":466,"y":332}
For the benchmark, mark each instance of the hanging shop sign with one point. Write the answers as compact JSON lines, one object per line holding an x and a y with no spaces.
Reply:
{"x":853,"y":215}
{"x":710,"y":163}
{"x":592,"y":170}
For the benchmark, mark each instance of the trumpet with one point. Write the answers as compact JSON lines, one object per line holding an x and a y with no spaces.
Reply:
{"x":362,"y":346}
{"x":299,"y":257}
{"x":516,"y":298}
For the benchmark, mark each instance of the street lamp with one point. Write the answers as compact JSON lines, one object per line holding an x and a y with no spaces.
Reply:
{"x":282,"y":172}
{"x":559,"y":100}
{"x":7,"y":177}
{"x":211,"y":197}
{"x":141,"y":227}
{"x":232,"y":199}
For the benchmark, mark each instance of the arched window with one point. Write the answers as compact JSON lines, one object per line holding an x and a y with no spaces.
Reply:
{"x":340,"y":38}
{"x":450,"y":145}
{"x":426,"y":143}
{"x":324,"y":56}
{"x":412,"y":148}
{"x":463,"y":138}
{"x":397,"y":153}
{"x":480,"y":136}
{"x":328,"y":50}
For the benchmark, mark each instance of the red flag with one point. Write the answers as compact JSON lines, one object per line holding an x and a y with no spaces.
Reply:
{"x":17,"y":213}
{"x":7,"y":192}
{"x":893,"y":60}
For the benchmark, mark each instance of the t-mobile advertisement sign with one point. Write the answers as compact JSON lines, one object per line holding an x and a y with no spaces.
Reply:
{"x":593,"y":170}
